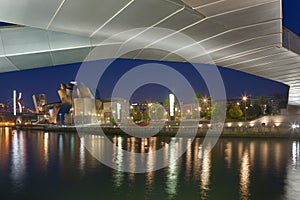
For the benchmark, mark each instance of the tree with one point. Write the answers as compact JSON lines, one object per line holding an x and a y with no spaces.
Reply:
{"x":198,"y":96}
{"x":235,"y":112}
{"x":269,"y":109}
{"x":146,"y":115}
{"x":254,"y":111}
{"x":137,"y":116}
{"x":262,"y":103}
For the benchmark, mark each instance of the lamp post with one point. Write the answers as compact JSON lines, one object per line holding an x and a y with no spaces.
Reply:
{"x":244,"y":98}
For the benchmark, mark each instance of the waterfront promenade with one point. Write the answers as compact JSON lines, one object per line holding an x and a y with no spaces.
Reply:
{"x":271,"y":126}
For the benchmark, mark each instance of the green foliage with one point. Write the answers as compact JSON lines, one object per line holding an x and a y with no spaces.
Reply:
{"x":254,"y":111}
{"x":166,"y":103}
{"x":235,"y":112}
{"x":198,"y":96}
{"x":269,"y":109}
{"x":113,"y":121}
{"x":146,"y":115}
{"x":137,"y":116}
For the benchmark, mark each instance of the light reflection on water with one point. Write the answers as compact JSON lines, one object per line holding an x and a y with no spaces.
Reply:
{"x":172,"y":174}
{"x":235,"y":169}
{"x":18,"y":166}
{"x":292,"y":186}
{"x":205,"y":172}
{"x":245,"y":176}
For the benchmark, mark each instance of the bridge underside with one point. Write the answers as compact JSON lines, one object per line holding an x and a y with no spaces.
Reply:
{"x":244,"y":35}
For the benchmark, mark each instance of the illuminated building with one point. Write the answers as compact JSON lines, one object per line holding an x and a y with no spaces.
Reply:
{"x":39,"y":101}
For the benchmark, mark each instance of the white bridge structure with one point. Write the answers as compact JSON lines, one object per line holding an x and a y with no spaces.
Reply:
{"x":245,"y":35}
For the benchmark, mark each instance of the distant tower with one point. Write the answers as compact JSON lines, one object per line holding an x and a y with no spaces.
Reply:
{"x":17,"y":101}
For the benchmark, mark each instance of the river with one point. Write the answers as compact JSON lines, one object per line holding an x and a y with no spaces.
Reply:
{"x":45,"y":165}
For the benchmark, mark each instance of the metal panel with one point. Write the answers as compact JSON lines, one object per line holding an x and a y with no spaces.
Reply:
{"x":24,"y":40}
{"x":229,"y":5}
{"x":152,"y":54}
{"x":139,"y":14}
{"x":6,"y":65}
{"x":180,"y":20}
{"x":197,"y":3}
{"x":251,"y":56}
{"x":247,"y":45}
{"x":70,"y":56}
{"x":85,"y":17}
{"x":237,"y":36}
{"x":30,"y":61}
{"x":35,"y":13}
{"x":2,"y":53}
{"x":269,"y":59}
{"x":60,"y":41}
{"x":252,"y":15}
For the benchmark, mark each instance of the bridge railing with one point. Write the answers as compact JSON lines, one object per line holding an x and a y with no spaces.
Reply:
{"x":290,"y":40}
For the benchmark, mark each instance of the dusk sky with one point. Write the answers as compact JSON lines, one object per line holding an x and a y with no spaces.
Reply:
{"x":291,"y":15}
{"x":46,"y":80}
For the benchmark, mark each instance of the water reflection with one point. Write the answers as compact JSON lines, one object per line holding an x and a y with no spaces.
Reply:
{"x":205,"y":172}
{"x":81,"y":156}
{"x":245,"y":176}
{"x":228,"y":154}
{"x":18,"y":166}
{"x":172,"y":174}
{"x":188,"y":161}
{"x":46,"y":153}
{"x":234,"y":169}
{"x":292,"y":188}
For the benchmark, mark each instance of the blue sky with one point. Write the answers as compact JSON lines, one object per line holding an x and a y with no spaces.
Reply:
{"x":291,"y":15}
{"x":46,"y":80}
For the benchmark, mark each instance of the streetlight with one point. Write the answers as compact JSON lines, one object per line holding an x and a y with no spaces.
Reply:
{"x":60,"y":118}
{"x":244,"y":98}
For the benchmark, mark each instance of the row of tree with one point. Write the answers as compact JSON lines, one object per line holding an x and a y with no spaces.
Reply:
{"x":207,"y":107}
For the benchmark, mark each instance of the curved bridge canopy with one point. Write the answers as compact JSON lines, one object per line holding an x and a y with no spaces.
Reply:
{"x":245,"y":35}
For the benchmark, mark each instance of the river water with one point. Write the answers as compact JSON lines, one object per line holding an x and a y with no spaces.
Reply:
{"x":41,"y":165}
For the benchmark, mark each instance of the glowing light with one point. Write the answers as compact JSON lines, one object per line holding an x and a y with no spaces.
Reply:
{"x":200,"y":125}
{"x":240,"y":124}
{"x":294,"y":126}
{"x":172,"y":102}
{"x":209,"y":125}
{"x":245,"y":176}
{"x":15,"y":102}
{"x":277,"y":123}
{"x":251,"y":124}
{"x":229,"y":124}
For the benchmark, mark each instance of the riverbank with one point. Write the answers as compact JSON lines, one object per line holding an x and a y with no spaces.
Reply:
{"x":230,"y":132}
